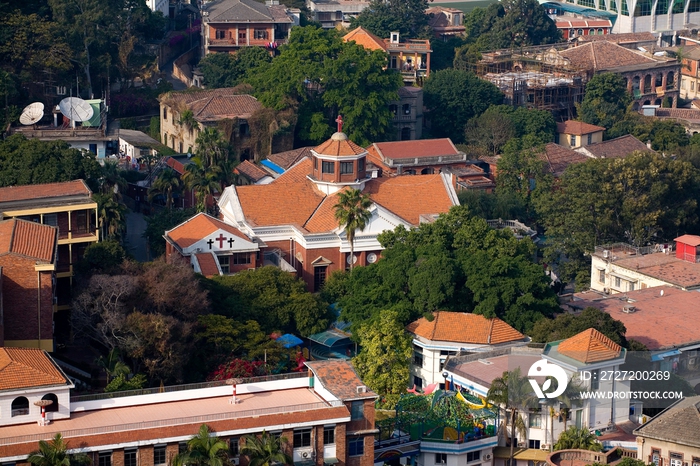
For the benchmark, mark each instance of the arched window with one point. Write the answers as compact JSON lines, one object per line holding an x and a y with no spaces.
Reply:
{"x":427,"y":171}
{"x":393,"y":108}
{"x":53,"y":407}
{"x":20,"y":406}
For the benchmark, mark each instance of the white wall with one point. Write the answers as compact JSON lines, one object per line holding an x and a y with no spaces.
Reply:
{"x":62,"y":393}
{"x":640,"y":279}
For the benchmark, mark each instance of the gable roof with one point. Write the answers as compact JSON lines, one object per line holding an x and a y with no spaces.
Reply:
{"x":616,"y":148}
{"x":626,"y":37}
{"x":242,"y":10}
{"x":339,"y":145}
{"x":677,"y":424}
{"x":363,"y":37}
{"x":27,"y":368}
{"x":194,"y":229}
{"x":214,"y":104}
{"x":558,"y":158}
{"x":251,"y":171}
{"x":44,"y":191}
{"x":287,"y":159}
{"x":603,"y":55}
{"x":689,"y":114}
{"x":463,"y":327}
{"x":29,"y":239}
{"x":690,"y":240}
{"x":414,"y":149}
{"x":589,"y":346}
{"x":338,"y":377}
{"x":577,"y":127}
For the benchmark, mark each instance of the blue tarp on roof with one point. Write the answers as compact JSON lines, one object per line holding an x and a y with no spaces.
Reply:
{"x":289,"y":341}
{"x":661,"y":356}
{"x":273,"y":166}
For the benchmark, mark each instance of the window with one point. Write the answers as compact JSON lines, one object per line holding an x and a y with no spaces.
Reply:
{"x":319,"y":277}
{"x":233,"y":449}
{"x":676,"y":459}
{"x":589,"y":139}
{"x":51,"y":219}
{"x":181,"y":447}
{"x":53,"y":407}
{"x":440,"y":458}
{"x":345,"y":167}
{"x":159,"y":455}
{"x":417,"y":356}
{"x":241,"y":34}
{"x":302,"y":438}
{"x":696,"y":461}
{"x":393,"y":109}
{"x":618,"y":282}
{"x":535,"y":420}
{"x":327,"y":167}
{"x":631,"y":286}
{"x":357,"y":410}
{"x":328,"y":435}
{"x":601,"y":276}
{"x":224,"y":263}
{"x":20,"y":406}
{"x":325,"y":16}
{"x":260,"y":34}
{"x":418,"y":382}
{"x":572,"y":140}
{"x":656,"y":457}
{"x":595,"y":383}
{"x":244,"y":128}
{"x":93,"y":148}
{"x":692,"y":85}
{"x":356,"y":447}
{"x":165,"y":117}
{"x":473,"y":456}
{"x":130,"y":457}
{"x":534,"y":444}
{"x":220,"y":34}
{"x":361,"y":165}
{"x":104,"y":458}
{"x":406,"y":133}
{"x":406,"y":109}
{"x":315,"y":163}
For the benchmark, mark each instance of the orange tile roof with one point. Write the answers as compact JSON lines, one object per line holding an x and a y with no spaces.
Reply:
{"x":42,"y":191}
{"x":690,"y":240}
{"x":558,"y":158}
{"x":251,"y":171}
{"x":603,"y":55}
{"x":339,"y":145}
{"x":339,"y":378}
{"x":413,"y":149}
{"x":323,"y":219}
{"x":28,"y":239}
{"x":363,"y":37}
{"x":463,"y":327}
{"x":207,"y":264}
{"x":28,"y":367}
{"x":590,"y":346}
{"x":287,"y":159}
{"x":289,"y":200}
{"x":175,"y":165}
{"x":199,"y":226}
{"x":577,"y":127}
{"x":410,"y":196}
{"x":216,"y":108}
{"x":617,"y":148}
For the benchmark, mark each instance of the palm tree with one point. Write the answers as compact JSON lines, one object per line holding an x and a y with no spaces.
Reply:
{"x":51,"y":453}
{"x":204,"y":181}
{"x":113,"y":365}
{"x":265,"y":450}
{"x":111,"y":215}
{"x":211,"y":147}
{"x":514,"y":393}
{"x":564,"y":402}
{"x":112,"y":179}
{"x":578,"y":438}
{"x":204,"y":449}
{"x":352,"y":212}
{"x":168,"y":183}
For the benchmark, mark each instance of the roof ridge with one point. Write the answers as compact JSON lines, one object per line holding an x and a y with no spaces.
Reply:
{"x":325,"y":197}
{"x":490,"y":332}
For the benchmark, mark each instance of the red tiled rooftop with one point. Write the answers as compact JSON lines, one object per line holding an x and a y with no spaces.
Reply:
{"x":690,"y":240}
{"x":418,"y":148}
{"x":26,"y":368}
{"x":198,"y":227}
{"x":29,"y":239}
{"x":287,"y":159}
{"x":339,"y":145}
{"x":462,"y":327}
{"x":558,"y":158}
{"x":590,"y":346}
{"x":577,"y":127}
{"x":363,"y":37}
{"x":339,"y":378}
{"x":207,"y":264}
{"x":251,"y":171}
{"x":665,"y":267}
{"x":604,"y":55}
{"x":659,"y":321}
{"x":616,"y":148}
{"x":43,"y":191}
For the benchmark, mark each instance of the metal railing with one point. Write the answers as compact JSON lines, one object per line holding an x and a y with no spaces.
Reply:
{"x":172,"y":422}
{"x":189,"y":386}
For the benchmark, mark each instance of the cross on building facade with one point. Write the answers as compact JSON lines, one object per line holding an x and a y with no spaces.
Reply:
{"x":210,"y":243}
{"x":221,"y":240}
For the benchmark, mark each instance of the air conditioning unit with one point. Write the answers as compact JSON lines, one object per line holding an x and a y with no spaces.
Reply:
{"x":522,"y":445}
{"x":305,"y":454}
{"x":606,"y":254}
{"x":486,"y":457}
{"x":692,"y":361}
{"x":235,"y":461}
{"x":361,"y":389}
{"x":544,"y":446}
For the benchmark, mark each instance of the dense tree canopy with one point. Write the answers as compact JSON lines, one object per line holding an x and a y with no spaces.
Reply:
{"x":567,"y":325}
{"x":453,"y":97}
{"x":322,"y":76}
{"x":605,"y":100}
{"x":500,"y":124}
{"x":407,"y":17}
{"x":229,"y":70}
{"x":457,"y":263}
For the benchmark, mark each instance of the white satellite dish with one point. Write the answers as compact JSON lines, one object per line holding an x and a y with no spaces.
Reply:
{"x":32,"y":113}
{"x":76,"y":109}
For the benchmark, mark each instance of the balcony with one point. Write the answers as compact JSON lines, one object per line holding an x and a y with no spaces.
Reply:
{"x":243,"y":42}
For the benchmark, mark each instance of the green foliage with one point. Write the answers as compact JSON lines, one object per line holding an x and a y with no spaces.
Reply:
{"x":122,"y":383}
{"x":31,"y":161}
{"x":168,"y":185}
{"x":567,"y":325}
{"x":229,"y":70}
{"x":265,"y":450}
{"x":273,"y":298}
{"x":490,"y":206}
{"x":204,"y":449}
{"x":453,"y":97}
{"x":102,"y":257}
{"x":54,"y":453}
{"x":355,"y":84}
{"x":352,"y":213}
{"x":638,"y":199}
{"x":159,"y":223}
{"x":443,"y":54}
{"x":605,"y":100}
{"x":111,"y":215}
{"x":578,"y":438}
{"x":456,"y":263}
{"x":386,"y":351}
{"x":384,"y":17}
{"x":665,"y":135}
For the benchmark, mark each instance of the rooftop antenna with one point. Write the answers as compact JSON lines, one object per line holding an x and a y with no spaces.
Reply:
{"x":32,"y":113}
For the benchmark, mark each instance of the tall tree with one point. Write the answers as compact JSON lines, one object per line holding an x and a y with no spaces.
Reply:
{"x":567,"y":325}
{"x":386,"y":351}
{"x":352,"y":213}
{"x":111,"y":215}
{"x":203,"y":449}
{"x":404,"y":16}
{"x":266,"y":450}
{"x":605,"y":100}
{"x":203,"y":180}
{"x":211,"y":147}
{"x":51,"y":453}
{"x":524,"y":23}
{"x":579,"y":438}
{"x":453,"y":97}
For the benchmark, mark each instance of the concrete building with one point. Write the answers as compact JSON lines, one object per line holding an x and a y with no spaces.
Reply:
{"x":422,"y":157}
{"x":573,"y":134}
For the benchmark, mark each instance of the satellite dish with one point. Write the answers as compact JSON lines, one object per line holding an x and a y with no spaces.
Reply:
{"x":32,"y":113}
{"x":76,"y":109}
